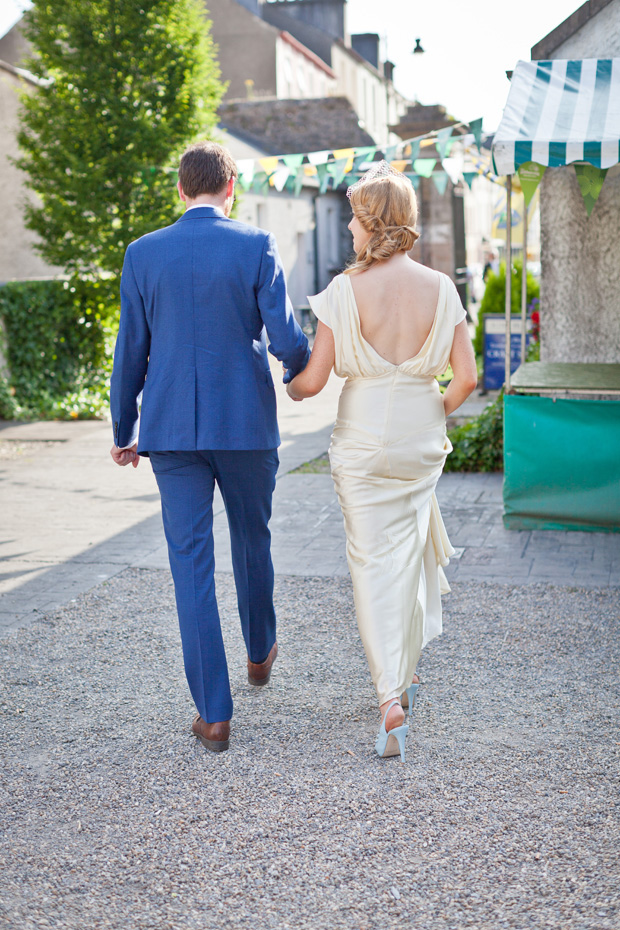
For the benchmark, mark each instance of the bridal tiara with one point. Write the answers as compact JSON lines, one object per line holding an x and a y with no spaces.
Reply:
{"x":382,"y":169}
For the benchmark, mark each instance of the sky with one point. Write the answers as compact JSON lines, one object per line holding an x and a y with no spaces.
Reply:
{"x":469,"y":45}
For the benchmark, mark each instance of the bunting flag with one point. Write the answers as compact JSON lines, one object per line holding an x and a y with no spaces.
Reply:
{"x":269,"y":165}
{"x":453,"y":166}
{"x":324,"y":176}
{"x":440,"y":180}
{"x":290,"y":171}
{"x":468,"y":177}
{"x":530,"y":176}
{"x":338,"y":169}
{"x":424,"y":166}
{"x":590,"y":180}
{"x":260,"y":183}
{"x":366,"y":153}
{"x":443,"y":139}
{"x":415,"y":180}
{"x":476,"y":127}
{"x":318,"y":158}
{"x":293,"y":161}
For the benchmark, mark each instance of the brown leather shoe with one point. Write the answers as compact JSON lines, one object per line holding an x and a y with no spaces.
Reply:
{"x":259,"y":673}
{"x":213,"y":736}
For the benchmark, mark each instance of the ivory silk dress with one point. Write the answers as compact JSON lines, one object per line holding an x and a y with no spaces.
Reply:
{"x":387,"y":452}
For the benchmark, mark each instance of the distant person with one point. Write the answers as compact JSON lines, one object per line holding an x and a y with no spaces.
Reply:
{"x":390,"y":326}
{"x":198,"y":301}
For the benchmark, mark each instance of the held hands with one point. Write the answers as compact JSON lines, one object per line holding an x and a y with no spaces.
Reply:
{"x":290,"y":393}
{"x":288,"y":386}
{"x":126,"y":456}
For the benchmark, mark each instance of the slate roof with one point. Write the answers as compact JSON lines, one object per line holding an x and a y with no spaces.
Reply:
{"x":283,"y":127}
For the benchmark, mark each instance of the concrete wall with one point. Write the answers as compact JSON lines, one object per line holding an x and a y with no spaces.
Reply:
{"x":583,"y":36}
{"x":580,"y":285}
{"x":580,"y":256}
{"x":246,"y":49}
{"x":297,"y":76}
{"x":373,"y":99}
{"x":18,"y":260}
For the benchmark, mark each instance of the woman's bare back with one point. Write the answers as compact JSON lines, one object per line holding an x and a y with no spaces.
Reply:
{"x":396,"y":302}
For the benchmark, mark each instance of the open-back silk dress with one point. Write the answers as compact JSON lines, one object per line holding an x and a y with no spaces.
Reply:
{"x":387,"y":452}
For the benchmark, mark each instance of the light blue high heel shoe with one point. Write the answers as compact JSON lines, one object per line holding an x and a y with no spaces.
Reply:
{"x":409,"y":698}
{"x":391,"y":742}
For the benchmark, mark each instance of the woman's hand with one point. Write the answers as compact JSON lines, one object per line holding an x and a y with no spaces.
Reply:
{"x":291,"y":394}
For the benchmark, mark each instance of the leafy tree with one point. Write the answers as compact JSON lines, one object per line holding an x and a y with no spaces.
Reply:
{"x":128,"y":83}
{"x":494,"y":297}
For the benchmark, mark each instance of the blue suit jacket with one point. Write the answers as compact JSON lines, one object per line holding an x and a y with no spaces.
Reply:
{"x":198,"y":300}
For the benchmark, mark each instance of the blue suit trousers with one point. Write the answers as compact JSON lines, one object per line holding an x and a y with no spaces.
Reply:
{"x":186,"y":483}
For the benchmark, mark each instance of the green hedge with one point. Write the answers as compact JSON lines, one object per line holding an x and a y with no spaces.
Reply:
{"x":57,"y":342}
{"x":479,"y":444}
{"x":494,"y":297}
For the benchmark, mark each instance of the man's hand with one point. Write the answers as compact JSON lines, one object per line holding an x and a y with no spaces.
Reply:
{"x":125,"y":456}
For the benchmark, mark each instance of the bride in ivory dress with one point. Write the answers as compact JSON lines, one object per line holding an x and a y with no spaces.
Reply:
{"x":390,"y":326}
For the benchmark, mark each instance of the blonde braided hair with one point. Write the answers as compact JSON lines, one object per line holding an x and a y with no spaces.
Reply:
{"x":388,"y":210}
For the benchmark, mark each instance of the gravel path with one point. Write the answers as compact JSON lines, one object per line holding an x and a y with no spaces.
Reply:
{"x":505,"y":814}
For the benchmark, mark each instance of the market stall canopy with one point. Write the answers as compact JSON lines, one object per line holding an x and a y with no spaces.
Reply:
{"x":559,"y":112}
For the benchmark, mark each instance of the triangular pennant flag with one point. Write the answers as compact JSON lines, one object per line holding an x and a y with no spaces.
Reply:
{"x":476,"y":127}
{"x":245,"y":167}
{"x":440,"y":179}
{"x":530,"y":176}
{"x":414,"y":145}
{"x":299,"y":181}
{"x":590,"y":180}
{"x":324,"y":176}
{"x":453,"y":167}
{"x":278,"y":178}
{"x":362,"y":155}
{"x":424,"y":166}
{"x":443,"y":138}
{"x":400,"y":164}
{"x":415,"y":180}
{"x":343,"y":153}
{"x":390,"y":152}
{"x":292,"y":161}
{"x":260,"y":183}
{"x":337,"y":169}
{"x":469,"y":177}
{"x":246,"y":181}
{"x":269,"y":165}
{"x":309,"y":170}
{"x":318,"y":158}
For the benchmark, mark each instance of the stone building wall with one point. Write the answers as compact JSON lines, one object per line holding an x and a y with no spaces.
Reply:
{"x":580,"y":256}
{"x":18,"y":259}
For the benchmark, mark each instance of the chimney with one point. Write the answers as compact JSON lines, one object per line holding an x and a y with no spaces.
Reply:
{"x":366,"y":44}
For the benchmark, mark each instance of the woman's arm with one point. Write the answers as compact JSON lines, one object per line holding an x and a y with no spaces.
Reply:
{"x":314,"y":376}
{"x":463,"y":362}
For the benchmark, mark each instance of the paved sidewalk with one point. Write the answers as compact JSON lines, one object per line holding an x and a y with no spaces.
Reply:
{"x":71,"y":519}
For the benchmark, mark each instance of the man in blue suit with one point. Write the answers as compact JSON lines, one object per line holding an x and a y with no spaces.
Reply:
{"x":198,"y":301}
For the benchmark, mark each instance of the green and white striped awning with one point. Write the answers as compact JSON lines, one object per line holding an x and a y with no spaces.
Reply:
{"x":559,"y":112}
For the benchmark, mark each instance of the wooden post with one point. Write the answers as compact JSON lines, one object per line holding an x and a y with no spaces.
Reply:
{"x":524,"y":284}
{"x":508,"y":279}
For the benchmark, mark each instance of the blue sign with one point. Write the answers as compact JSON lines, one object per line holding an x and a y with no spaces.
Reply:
{"x":495,"y":348}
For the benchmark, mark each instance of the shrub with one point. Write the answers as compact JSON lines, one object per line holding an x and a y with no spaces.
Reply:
{"x":58,"y":337}
{"x":494,"y":298}
{"x":479,"y":444}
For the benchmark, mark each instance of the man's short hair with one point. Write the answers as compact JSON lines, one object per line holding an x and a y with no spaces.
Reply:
{"x":205,"y":168}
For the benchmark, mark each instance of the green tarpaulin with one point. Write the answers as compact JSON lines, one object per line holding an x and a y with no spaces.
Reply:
{"x":561,"y":464}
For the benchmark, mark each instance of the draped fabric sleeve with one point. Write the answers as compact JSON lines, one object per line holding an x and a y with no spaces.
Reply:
{"x":457,"y":307}
{"x":320,"y":307}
